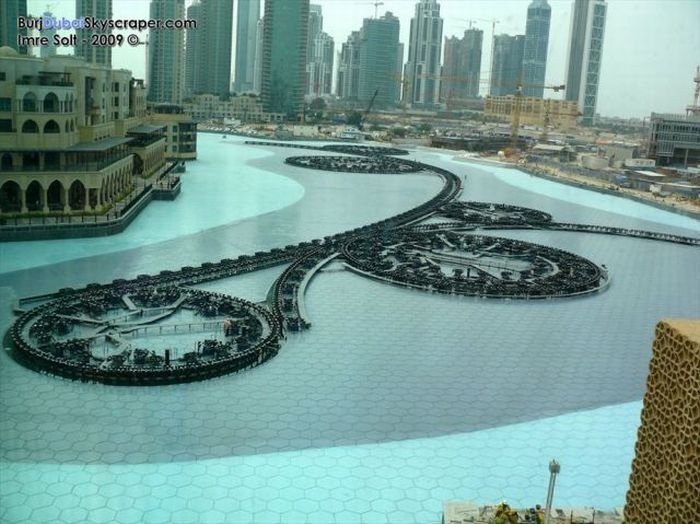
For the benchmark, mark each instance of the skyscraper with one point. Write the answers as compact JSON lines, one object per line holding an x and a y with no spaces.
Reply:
{"x":320,"y":51}
{"x":284,"y":56}
{"x":11,"y":10}
{"x":535,"y":52}
{"x":166,"y":54}
{"x":257,"y":73}
{"x":50,"y":49}
{"x":584,"y":55}
{"x":348,"y":83}
{"x":246,"y":34}
{"x":320,"y":68}
{"x":506,"y":64}
{"x":380,"y":63}
{"x":102,"y":10}
{"x":194,"y":12}
{"x":424,"y":46}
{"x":212,"y":70}
{"x":315,"y":28}
{"x":462,"y":66}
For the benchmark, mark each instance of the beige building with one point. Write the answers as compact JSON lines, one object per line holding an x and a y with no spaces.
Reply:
{"x":540,"y":112}
{"x":245,"y":108}
{"x":72,"y":138}
{"x":180,"y":131}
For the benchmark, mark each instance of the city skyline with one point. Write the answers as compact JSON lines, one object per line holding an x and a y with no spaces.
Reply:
{"x":646,"y":67}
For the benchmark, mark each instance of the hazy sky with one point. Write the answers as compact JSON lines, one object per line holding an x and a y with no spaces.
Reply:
{"x":650,"y":52}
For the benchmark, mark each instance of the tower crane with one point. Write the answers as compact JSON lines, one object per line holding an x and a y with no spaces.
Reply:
{"x":695,"y":108}
{"x":376,"y":7}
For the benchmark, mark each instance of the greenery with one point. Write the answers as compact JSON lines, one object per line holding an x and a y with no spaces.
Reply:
{"x":315,"y":110}
{"x":354,"y":119}
{"x":398,"y":132}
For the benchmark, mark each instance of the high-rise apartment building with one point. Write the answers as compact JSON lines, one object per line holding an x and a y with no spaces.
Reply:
{"x":380,"y":60}
{"x":94,"y":54}
{"x":284,"y":56}
{"x":166,"y":54}
{"x":257,"y":73}
{"x":193,"y":38}
{"x":535,"y":52}
{"x":11,"y":10}
{"x":46,"y":51}
{"x":585,"y":55}
{"x":461,"y":67}
{"x":212,"y":69}
{"x":315,"y":28}
{"x":320,"y":50}
{"x":423,"y":67}
{"x":506,"y":64}
{"x":320,"y":67}
{"x":348,"y":82}
{"x":246,"y":40}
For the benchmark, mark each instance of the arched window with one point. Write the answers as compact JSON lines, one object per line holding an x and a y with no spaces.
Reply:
{"x":76,"y":195}
{"x":29,"y":103}
{"x":10,"y":197}
{"x":51,"y":103}
{"x":6,"y":162}
{"x":30,"y":127}
{"x":33,"y":196}
{"x":54,"y":196}
{"x":51,"y":127}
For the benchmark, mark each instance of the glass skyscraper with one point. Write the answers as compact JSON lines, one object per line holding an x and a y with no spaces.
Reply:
{"x":246,"y":37}
{"x":535,"y":52}
{"x":380,"y":61}
{"x":212,"y":59}
{"x":166,"y":48}
{"x":462,"y":65}
{"x":585,"y":55}
{"x":11,"y":10}
{"x":506,"y":64}
{"x":194,"y":12}
{"x":285,"y":34}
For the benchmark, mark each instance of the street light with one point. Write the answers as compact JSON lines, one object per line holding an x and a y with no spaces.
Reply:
{"x":554,"y":469}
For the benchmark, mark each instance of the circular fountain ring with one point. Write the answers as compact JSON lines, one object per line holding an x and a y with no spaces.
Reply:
{"x":464,"y":264}
{"x":145,"y":335}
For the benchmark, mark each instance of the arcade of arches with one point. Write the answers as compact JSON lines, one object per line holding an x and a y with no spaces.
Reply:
{"x":64,"y":193}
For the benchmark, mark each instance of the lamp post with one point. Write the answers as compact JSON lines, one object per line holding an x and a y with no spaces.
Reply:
{"x":554,"y":468}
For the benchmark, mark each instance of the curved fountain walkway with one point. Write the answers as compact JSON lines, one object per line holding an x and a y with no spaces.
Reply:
{"x":343,"y":426}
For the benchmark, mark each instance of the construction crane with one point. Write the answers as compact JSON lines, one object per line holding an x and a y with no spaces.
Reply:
{"x":694,"y":109}
{"x":361,"y":125}
{"x":517,"y":105}
{"x":376,"y":7}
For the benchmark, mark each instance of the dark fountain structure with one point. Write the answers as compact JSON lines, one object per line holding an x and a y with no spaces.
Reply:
{"x":123,"y":333}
